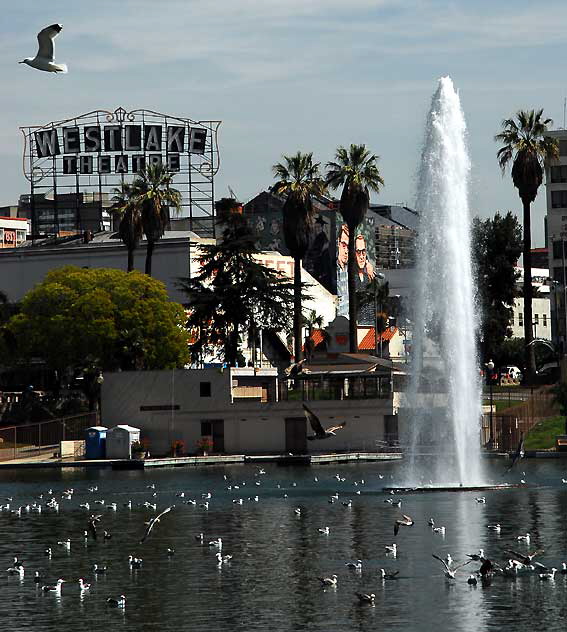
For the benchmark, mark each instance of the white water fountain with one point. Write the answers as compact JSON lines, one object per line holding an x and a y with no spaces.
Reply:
{"x":444,"y":396}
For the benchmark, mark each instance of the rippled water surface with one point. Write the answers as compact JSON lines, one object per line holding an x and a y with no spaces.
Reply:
{"x":271,"y":583}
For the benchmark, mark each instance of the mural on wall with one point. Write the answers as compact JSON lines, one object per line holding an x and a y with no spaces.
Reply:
{"x":365,"y":266}
{"x":319,"y":260}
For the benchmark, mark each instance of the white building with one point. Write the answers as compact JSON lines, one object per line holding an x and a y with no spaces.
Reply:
{"x":13,"y":231}
{"x":246,"y":411}
{"x":556,"y":192}
{"x":541,"y":306}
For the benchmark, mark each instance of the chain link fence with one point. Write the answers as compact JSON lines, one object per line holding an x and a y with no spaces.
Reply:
{"x":19,"y":442}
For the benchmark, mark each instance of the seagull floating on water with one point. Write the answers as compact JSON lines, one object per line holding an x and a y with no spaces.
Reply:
{"x":389,"y":574}
{"x":524,"y":538}
{"x":324,"y":530}
{"x":82,"y":585}
{"x":116,"y":602}
{"x":366,"y":598}
{"x":477,"y":557}
{"x":56,"y":589}
{"x":391,"y":548}
{"x":328,"y":581}
{"x":355,"y":566}
{"x":494,"y":527}
{"x":223,"y":559}
{"x":472,"y":580}
{"x":16,"y":569}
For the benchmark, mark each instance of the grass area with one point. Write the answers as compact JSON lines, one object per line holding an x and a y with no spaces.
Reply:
{"x":502,"y":404}
{"x":542,"y":436}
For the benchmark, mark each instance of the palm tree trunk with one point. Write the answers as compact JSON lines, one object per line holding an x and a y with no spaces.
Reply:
{"x":352,"y":304}
{"x":149,"y":254}
{"x":130,"y":259}
{"x":528,"y":294}
{"x":297,"y":309}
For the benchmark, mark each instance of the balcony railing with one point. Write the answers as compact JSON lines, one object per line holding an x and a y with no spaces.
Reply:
{"x":335,"y":388}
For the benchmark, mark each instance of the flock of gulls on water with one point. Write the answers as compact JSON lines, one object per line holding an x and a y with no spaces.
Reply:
{"x":518,"y":563}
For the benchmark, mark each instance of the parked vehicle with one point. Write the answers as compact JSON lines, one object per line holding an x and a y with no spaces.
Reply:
{"x":511,"y":372}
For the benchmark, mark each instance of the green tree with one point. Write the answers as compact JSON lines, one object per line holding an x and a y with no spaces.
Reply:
{"x":130,"y":228}
{"x":99,"y":319}
{"x":298,"y":178}
{"x":354,"y":169}
{"x":232,"y":291}
{"x":526,"y":146}
{"x":559,"y":392}
{"x":153,"y":193}
{"x":497,"y":246}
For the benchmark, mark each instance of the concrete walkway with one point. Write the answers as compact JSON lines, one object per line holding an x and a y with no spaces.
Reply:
{"x":38,"y":461}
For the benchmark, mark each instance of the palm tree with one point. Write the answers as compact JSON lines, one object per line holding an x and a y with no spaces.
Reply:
{"x":354,"y":169}
{"x":130,"y":227}
{"x":154,"y":194}
{"x":526,"y":146}
{"x":299,"y":179}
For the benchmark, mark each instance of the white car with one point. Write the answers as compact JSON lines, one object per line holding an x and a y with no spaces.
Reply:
{"x":512,"y":372}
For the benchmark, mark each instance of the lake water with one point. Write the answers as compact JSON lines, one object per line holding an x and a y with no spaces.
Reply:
{"x":271,"y":584}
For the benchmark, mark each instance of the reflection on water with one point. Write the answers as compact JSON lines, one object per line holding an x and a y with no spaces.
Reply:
{"x":270,"y":584}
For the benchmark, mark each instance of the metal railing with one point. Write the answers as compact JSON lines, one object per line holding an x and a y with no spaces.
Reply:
{"x":509,"y":424}
{"x":18,"y":442}
{"x":335,"y":388}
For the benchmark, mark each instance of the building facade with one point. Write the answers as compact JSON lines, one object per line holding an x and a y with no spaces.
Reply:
{"x":13,"y":232}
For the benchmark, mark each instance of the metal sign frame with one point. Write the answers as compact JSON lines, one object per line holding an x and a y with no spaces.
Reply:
{"x":94,"y":153}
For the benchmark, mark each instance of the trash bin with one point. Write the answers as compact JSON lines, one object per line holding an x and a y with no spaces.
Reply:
{"x":119,"y":441}
{"x":95,"y":442}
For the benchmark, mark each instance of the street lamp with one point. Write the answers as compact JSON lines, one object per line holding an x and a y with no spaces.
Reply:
{"x":490,"y":376}
{"x":380,"y":276}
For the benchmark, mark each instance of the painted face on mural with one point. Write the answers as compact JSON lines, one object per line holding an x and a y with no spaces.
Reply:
{"x":360,"y":251}
{"x":275,"y":227}
{"x":342,"y":246}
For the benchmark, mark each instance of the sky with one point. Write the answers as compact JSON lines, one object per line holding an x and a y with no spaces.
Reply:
{"x":289,"y":75}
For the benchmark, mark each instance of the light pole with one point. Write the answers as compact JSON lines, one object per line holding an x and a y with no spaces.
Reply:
{"x":380,"y":276}
{"x":490,"y":376}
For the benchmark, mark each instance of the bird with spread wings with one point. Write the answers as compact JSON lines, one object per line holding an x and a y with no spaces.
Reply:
{"x":320,"y":432}
{"x":450,"y":572}
{"x":406,"y":522}
{"x":152,"y":523}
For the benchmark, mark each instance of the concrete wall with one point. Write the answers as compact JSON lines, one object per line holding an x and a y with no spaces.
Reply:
{"x":23,"y":268}
{"x":249,"y":426}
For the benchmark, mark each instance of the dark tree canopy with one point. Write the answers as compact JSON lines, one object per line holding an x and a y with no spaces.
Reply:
{"x":81,"y":318}
{"x":233,"y":292}
{"x":497,"y":246}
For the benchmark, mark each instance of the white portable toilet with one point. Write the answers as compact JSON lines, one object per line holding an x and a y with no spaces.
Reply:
{"x":119,"y":441}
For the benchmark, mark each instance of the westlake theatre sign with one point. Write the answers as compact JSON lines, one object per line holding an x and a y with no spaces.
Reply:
{"x":94,"y":152}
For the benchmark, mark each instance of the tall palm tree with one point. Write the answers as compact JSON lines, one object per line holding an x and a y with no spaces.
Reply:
{"x":130,"y":228}
{"x":526,"y":146}
{"x":354,"y":169}
{"x":298,"y":178}
{"x":153,"y":191}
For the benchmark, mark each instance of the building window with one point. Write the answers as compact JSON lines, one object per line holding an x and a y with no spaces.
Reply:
{"x":559,"y":199}
{"x":544,"y":320}
{"x":205,"y":389}
{"x":559,"y":174}
{"x":520,"y":320}
{"x":537,"y":319}
{"x":563,"y":147}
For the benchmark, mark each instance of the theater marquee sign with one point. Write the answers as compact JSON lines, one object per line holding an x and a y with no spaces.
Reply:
{"x":93,"y":153}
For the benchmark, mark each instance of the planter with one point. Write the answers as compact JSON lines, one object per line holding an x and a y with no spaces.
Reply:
{"x":138,"y":456}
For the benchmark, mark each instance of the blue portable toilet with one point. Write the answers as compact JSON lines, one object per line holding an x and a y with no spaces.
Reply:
{"x":95,"y":442}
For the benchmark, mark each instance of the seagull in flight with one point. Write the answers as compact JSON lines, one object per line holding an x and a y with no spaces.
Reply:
{"x":153,"y":521}
{"x":406,"y":522}
{"x":519,"y":453}
{"x":450,"y":572}
{"x":44,"y":59}
{"x":526,"y":560}
{"x":320,"y":432}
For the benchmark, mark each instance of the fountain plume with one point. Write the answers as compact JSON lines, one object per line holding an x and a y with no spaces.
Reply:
{"x":444,"y":396}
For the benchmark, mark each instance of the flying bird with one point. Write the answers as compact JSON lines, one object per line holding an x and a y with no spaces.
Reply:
{"x":153,"y":521}
{"x":526,"y":560}
{"x":93,"y":520}
{"x":406,"y":522}
{"x":320,"y":432}
{"x":295,"y":369}
{"x":519,"y":453}
{"x":44,"y":59}
{"x":450,"y":572}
